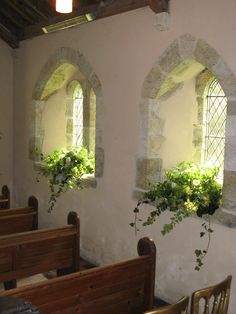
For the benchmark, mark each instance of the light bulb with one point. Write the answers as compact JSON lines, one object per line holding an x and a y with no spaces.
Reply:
{"x":64,"y":6}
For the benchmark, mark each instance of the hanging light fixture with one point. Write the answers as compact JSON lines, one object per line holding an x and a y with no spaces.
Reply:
{"x":64,"y":6}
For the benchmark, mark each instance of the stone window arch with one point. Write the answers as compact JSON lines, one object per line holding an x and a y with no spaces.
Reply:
{"x":66,"y":63}
{"x":184,"y":50}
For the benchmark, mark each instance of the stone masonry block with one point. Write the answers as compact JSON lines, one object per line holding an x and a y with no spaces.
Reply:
{"x":155,"y":126}
{"x":154,"y":145}
{"x":231,"y":127}
{"x":148,"y":171}
{"x":69,"y":108}
{"x":226,"y":77}
{"x":153,"y":81}
{"x":69,"y":126}
{"x":205,"y":54}
{"x":187,"y":44}
{"x":197,"y":135}
{"x":230,"y":153}
{"x":229,"y":188}
{"x":149,"y":105}
{"x":167,"y":86}
{"x":231,"y":107}
{"x":202,"y":80}
{"x":200,"y":102}
{"x":96,"y":85}
{"x":99,"y":163}
{"x":171,"y":58}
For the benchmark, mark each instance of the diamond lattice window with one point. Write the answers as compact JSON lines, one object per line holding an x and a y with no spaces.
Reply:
{"x":215,"y":118}
{"x":78,"y":117}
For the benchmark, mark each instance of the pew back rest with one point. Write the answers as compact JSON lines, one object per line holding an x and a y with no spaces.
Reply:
{"x":120,"y":288}
{"x":19,"y":219}
{"x":28,"y":253}
{"x":5,"y":198}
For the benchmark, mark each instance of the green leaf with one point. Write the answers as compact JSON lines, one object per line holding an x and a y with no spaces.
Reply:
{"x":198,"y":252}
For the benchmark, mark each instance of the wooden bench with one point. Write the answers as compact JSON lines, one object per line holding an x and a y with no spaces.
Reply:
{"x":121,"y":288}
{"x":33,"y":252}
{"x":5,"y":198}
{"x":19,"y":219}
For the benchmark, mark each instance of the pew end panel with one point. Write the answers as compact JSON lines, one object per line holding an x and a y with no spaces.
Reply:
{"x":120,"y":288}
{"x":19,"y":219}
{"x":5,"y":198}
{"x":33,"y":252}
{"x":33,"y":202}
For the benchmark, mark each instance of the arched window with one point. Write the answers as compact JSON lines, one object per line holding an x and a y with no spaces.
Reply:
{"x":214,"y":119}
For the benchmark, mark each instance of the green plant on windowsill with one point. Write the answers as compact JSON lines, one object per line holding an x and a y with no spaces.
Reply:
{"x":65,"y":169}
{"x":186,"y":189}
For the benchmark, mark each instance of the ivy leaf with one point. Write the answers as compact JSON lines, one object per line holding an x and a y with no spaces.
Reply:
{"x":198,"y":252}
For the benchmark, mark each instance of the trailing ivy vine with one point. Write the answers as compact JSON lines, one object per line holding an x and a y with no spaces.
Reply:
{"x":65,"y":169}
{"x":186,"y":190}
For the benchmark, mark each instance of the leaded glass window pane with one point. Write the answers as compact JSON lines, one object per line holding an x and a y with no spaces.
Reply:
{"x":215,"y":118}
{"x":78,"y":117}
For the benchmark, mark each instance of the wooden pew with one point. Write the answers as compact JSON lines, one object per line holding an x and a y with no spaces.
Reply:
{"x":5,"y":198}
{"x":28,"y":253}
{"x":19,"y":219}
{"x":121,"y":288}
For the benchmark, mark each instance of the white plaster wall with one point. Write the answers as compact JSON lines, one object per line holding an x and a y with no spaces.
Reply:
{"x":179,"y":111}
{"x":53,"y":116}
{"x":6,"y":109}
{"x":122,"y":50}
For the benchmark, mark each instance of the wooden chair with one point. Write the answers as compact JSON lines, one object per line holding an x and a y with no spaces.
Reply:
{"x":216,"y":298}
{"x":178,"y":308}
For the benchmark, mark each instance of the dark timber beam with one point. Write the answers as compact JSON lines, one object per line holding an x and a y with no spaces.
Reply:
{"x":19,"y":10}
{"x":8,"y":37}
{"x":159,"y":6}
{"x":120,"y":6}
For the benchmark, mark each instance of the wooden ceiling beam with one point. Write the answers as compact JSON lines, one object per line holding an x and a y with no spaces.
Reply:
{"x":36,"y":9}
{"x":8,"y":37}
{"x":100,"y":9}
{"x":159,"y":6}
{"x":12,"y":18}
{"x":20,"y":11}
{"x":121,"y":6}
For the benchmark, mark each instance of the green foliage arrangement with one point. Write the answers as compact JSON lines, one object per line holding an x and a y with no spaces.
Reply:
{"x":65,"y":168}
{"x":186,"y":189}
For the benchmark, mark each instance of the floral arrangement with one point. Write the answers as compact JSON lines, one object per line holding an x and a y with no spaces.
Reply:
{"x":65,"y":169}
{"x":187,"y":189}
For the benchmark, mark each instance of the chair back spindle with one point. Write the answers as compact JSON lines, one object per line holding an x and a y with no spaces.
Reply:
{"x":215,"y":298}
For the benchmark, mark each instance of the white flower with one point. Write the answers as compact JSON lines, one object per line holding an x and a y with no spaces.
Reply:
{"x":68,"y":160}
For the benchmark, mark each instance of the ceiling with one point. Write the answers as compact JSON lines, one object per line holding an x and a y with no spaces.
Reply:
{"x":24,"y":19}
